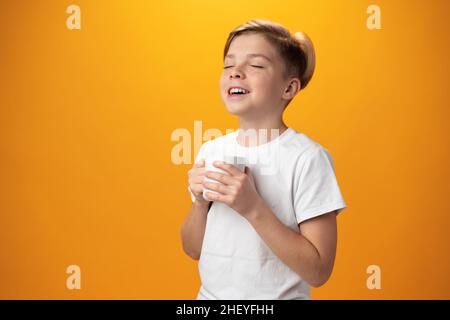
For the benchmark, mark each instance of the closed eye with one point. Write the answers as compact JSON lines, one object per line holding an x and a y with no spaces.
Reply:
{"x":261,"y":67}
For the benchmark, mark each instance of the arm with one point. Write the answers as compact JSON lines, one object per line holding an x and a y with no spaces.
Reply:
{"x":310,"y":253}
{"x":193,"y":229}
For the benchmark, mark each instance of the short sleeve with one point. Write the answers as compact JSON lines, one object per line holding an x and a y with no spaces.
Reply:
{"x":317,"y":191}
{"x":198,"y":158}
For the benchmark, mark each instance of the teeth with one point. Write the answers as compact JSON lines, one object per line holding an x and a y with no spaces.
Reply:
{"x":237,"y":90}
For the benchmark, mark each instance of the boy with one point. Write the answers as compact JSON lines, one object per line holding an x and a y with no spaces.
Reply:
{"x":268,"y":232}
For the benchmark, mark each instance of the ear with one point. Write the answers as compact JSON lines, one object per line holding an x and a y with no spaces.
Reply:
{"x":292,"y":88}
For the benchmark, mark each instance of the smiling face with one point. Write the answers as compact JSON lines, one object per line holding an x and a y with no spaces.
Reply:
{"x":254,"y":65}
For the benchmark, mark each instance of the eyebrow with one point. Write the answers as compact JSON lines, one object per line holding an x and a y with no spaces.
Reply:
{"x":250,"y":55}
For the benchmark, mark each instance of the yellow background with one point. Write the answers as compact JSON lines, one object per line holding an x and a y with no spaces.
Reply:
{"x":86,"y":116}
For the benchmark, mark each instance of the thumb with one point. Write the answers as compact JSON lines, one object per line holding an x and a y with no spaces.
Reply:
{"x":200,"y":163}
{"x":249,"y":174}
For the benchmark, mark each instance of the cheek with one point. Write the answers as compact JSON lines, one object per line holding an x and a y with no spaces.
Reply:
{"x":264,"y":86}
{"x":263,"y":80}
{"x":273,"y":82}
{"x":222,"y":83}
{"x":268,"y":90}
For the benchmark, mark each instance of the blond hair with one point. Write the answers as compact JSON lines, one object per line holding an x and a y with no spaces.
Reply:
{"x":297,"y":51}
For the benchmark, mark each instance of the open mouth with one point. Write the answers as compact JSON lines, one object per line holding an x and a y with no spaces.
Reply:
{"x":237,"y":92}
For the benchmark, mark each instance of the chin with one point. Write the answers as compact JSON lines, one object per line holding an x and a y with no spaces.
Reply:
{"x":237,"y":110}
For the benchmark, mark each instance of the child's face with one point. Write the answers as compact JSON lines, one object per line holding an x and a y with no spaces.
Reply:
{"x":262,"y":78}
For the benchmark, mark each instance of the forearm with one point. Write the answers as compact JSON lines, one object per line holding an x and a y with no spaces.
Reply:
{"x":292,"y":248}
{"x":193,"y":229}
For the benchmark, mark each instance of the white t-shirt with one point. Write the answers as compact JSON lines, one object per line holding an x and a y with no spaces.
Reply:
{"x":295,"y":176}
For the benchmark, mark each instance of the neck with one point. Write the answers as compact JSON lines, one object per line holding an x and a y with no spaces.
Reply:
{"x":264,"y":124}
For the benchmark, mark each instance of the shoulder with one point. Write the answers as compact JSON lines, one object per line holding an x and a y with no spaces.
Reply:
{"x":303,"y":145}
{"x":218,"y":143}
{"x":220,"y":140}
{"x":304,"y":149}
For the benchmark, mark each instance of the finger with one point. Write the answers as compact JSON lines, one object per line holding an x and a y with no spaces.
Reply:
{"x":200,"y":171}
{"x":232,"y":170}
{"x":196,"y":180}
{"x":249,"y":173}
{"x":220,"y":177}
{"x":216,"y":197}
{"x":197,"y":189}
{"x":200,"y":164}
{"x":196,"y":172}
{"x":218,"y":187}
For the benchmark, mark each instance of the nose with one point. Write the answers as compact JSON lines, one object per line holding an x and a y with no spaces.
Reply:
{"x":236,"y":73}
